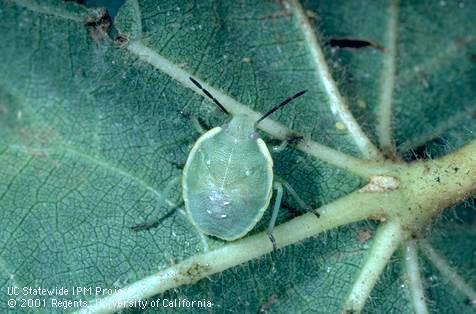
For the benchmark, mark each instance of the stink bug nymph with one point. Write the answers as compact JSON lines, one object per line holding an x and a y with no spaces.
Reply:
{"x":228,"y":177}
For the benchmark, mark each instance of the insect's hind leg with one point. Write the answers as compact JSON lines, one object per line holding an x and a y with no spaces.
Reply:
{"x":277,"y":205}
{"x":154,"y":222}
{"x":279,"y":184}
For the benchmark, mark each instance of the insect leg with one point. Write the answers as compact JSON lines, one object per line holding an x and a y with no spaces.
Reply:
{"x":296,"y":197}
{"x":197,"y":125}
{"x":195,"y":122}
{"x":277,"y":205}
{"x":279,"y":148}
{"x":292,"y":139}
{"x":154,"y":222}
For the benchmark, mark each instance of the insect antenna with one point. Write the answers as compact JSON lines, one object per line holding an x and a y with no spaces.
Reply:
{"x":208,"y":94}
{"x":282,"y":104}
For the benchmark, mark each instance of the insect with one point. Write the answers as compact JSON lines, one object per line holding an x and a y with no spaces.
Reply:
{"x":228,"y":177}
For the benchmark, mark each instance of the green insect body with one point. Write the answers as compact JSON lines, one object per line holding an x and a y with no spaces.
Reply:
{"x":228,"y":180}
{"x":228,"y":177}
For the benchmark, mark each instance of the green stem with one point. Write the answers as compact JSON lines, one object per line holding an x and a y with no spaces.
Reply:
{"x":387,"y":240}
{"x":355,"y":207}
{"x":413,"y":278}
{"x":384,"y":126}
{"x":337,"y":103}
{"x":363,"y":168}
{"x":428,"y":187}
{"x":77,"y":14}
{"x":417,"y":186}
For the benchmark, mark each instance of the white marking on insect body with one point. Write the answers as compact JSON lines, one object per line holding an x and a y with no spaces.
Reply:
{"x":219,"y":201}
{"x":228,"y":177}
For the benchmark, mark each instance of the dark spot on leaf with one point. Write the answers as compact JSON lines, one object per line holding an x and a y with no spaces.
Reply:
{"x":437,"y":179}
{"x":99,"y":24}
{"x":122,"y":40}
{"x":456,"y":169}
{"x":352,"y":43}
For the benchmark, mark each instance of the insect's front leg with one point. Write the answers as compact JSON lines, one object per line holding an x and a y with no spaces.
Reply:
{"x":279,"y":148}
{"x":277,"y":205}
{"x":291,"y":139}
{"x":155,"y":221}
{"x":197,"y":125}
{"x":195,"y":122}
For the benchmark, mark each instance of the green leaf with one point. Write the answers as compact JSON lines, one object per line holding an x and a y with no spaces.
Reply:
{"x":96,"y":122}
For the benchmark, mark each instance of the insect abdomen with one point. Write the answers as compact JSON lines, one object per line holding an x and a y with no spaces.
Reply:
{"x":228,"y":186}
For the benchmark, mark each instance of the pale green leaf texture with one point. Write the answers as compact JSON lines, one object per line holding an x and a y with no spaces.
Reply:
{"x":91,"y":135}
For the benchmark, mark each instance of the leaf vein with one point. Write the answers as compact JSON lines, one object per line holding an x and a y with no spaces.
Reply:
{"x":357,"y":166}
{"x":337,"y":103}
{"x":52,"y":10}
{"x":384,"y":113}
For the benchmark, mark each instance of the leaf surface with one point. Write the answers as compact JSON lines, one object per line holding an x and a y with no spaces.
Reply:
{"x":92,"y":136}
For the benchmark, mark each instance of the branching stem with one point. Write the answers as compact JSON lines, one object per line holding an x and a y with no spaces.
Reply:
{"x":390,"y":206}
{"x":357,"y":166}
{"x":346,"y":210}
{"x":425,"y":189}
